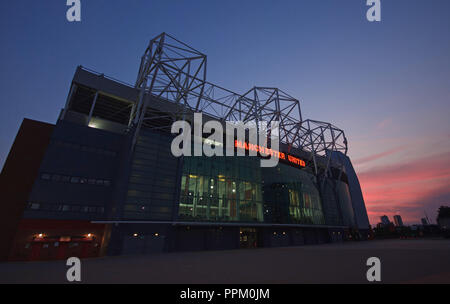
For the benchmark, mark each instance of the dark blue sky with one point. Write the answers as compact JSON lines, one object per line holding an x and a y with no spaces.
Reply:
{"x":386,"y":84}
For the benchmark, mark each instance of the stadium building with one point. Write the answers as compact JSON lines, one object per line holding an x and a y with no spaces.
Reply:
{"x":102,"y":180}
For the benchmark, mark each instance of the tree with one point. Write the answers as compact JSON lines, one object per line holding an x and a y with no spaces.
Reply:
{"x":443,"y":213}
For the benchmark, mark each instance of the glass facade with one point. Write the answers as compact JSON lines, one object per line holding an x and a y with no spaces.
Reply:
{"x":221,"y":189}
{"x":228,"y":189}
{"x":238,"y":189}
{"x":333,"y":213}
{"x":291,"y":196}
{"x":153,"y":179}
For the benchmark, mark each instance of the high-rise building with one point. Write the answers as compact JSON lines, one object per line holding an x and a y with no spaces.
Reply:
{"x":398,"y":220}
{"x":103,"y":178}
{"x":385,"y":220}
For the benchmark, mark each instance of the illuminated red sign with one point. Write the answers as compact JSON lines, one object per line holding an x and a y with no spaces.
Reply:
{"x":280,"y":155}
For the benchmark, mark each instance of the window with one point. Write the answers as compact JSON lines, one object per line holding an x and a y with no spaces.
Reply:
{"x":132,"y":208}
{"x":56,"y":177}
{"x":53,"y":207}
{"x":34,"y":206}
{"x":45,"y":176}
{"x":75,"y":179}
{"x":75,"y":208}
{"x":66,"y":208}
{"x":75,"y":146}
{"x":84,"y":209}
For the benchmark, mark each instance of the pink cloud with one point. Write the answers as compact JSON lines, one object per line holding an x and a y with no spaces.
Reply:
{"x":407,"y":188}
{"x":373,"y":157}
{"x":384,"y":123}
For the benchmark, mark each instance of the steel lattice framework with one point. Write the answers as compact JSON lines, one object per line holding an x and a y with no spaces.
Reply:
{"x":269,"y":104}
{"x":173,"y":71}
{"x":322,"y":138}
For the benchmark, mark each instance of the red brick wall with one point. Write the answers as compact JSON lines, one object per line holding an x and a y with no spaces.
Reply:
{"x":18,"y":176}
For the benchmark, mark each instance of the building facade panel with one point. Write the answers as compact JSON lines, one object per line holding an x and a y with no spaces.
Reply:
{"x":77,"y":174}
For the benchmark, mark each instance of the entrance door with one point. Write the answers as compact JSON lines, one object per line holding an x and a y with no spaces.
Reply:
{"x":248,"y":237}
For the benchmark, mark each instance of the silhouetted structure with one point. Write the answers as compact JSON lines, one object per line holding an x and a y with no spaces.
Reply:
{"x":398,"y":220}
{"x":385,"y":220}
{"x":443,"y":220}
